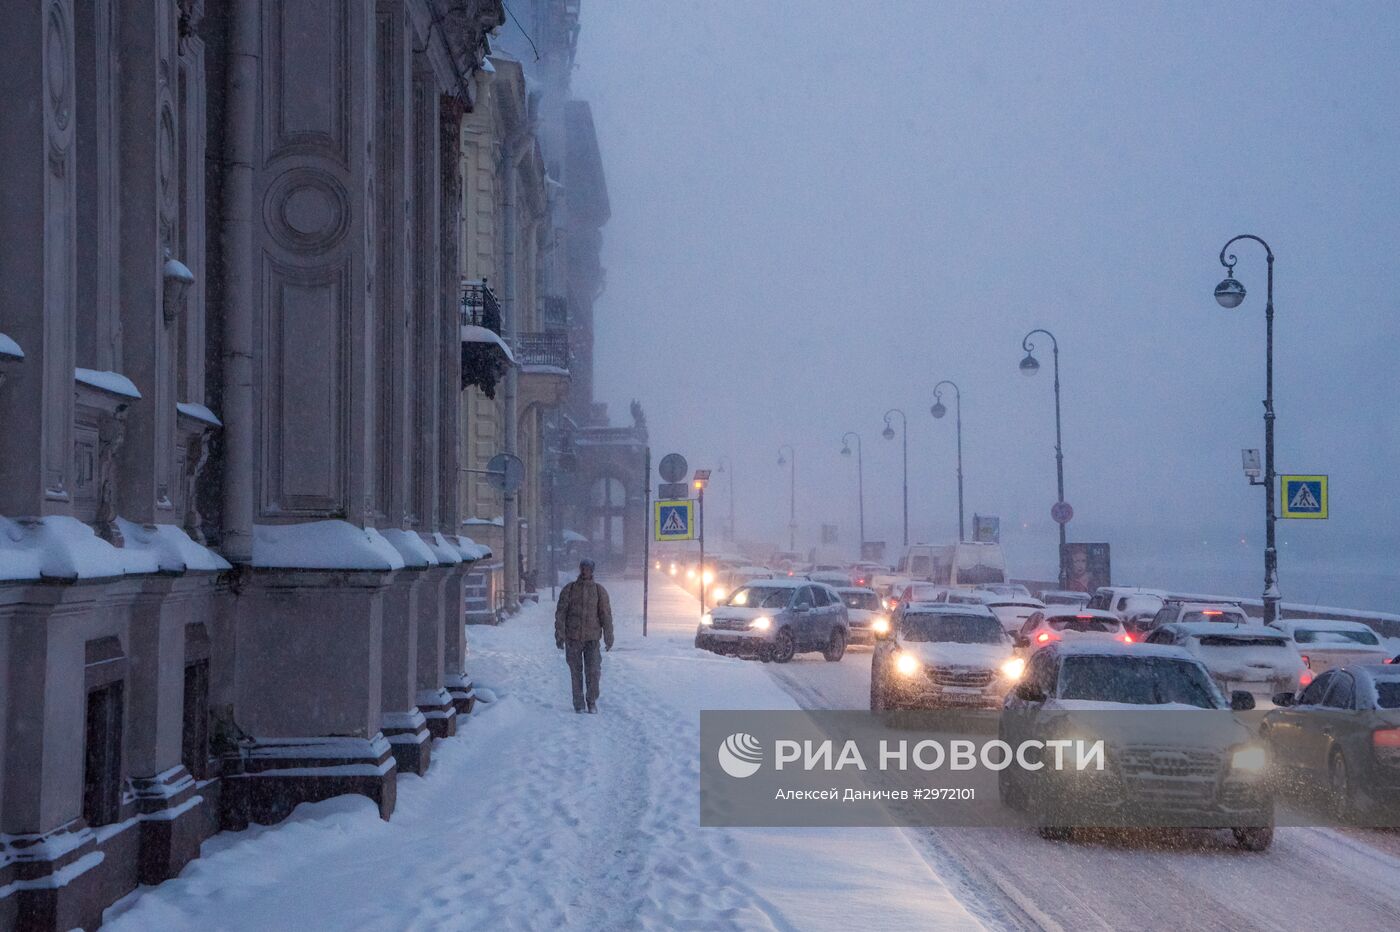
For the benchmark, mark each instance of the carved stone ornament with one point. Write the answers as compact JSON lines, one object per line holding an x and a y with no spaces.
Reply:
{"x":196,"y":455}
{"x":111,"y":432}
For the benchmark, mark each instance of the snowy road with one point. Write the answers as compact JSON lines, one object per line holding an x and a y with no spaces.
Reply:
{"x":1186,"y":880}
{"x":537,"y":818}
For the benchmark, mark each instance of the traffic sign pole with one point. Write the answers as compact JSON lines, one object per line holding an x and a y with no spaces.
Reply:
{"x":701,"y":529}
{"x":646,"y":545}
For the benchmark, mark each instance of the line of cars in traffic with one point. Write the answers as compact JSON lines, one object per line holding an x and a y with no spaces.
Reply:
{"x":1333,"y":692}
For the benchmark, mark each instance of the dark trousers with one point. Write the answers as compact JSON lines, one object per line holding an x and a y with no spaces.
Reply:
{"x":585,"y":660}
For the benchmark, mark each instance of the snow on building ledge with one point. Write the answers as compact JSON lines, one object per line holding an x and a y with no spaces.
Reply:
{"x":471,"y":550}
{"x":445,"y":548}
{"x":113,"y":382}
{"x":415,"y":552}
{"x":323,"y":545}
{"x":64,"y":548}
{"x":173,"y":549}
{"x":9,"y":348}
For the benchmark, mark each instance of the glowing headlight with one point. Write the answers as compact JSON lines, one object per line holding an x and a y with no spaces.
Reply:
{"x":719,"y":593}
{"x":907,"y":664}
{"x":761,"y":623}
{"x":1013,"y":668}
{"x":690,"y":573}
{"x":707,"y":619}
{"x":673,"y":569}
{"x":709,"y":577}
{"x":881,"y":625}
{"x":1251,"y":759}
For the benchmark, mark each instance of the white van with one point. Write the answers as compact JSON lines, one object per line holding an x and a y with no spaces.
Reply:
{"x":966,"y":564}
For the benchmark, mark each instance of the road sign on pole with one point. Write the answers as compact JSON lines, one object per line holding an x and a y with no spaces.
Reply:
{"x":674,"y":519}
{"x":672,"y":490}
{"x":1304,"y":497}
{"x":1061,"y":512}
{"x":673,"y":467}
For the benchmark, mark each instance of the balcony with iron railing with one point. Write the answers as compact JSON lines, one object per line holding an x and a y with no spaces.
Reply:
{"x":485,"y":356}
{"x":548,"y":348}
{"x":479,"y":305}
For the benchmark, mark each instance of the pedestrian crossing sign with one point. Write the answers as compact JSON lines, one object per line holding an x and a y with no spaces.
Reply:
{"x":675,"y":520}
{"x":1304,"y":496}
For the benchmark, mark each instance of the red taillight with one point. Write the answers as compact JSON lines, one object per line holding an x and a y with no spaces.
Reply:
{"x":1127,"y":639}
{"x":1043,"y":636}
{"x":1209,"y":612}
{"x":1085,"y":617}
{"x":1388,"y":660}
{"x":1388,"y":738}
{"x":1306,"y":662}
{"x":1305,"y":678}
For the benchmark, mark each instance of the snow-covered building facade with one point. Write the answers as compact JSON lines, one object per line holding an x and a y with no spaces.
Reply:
{"x":530,"y":150}
{"x":231,"y":372}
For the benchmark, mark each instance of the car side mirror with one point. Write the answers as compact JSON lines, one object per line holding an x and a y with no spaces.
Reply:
{"x":1029,"y":692}
{"x":1241,"y":701}
{"x":1284,"y":700}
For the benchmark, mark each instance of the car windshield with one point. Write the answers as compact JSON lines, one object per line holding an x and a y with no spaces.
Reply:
{"x":1211,"y":614}
{"x":865,"y":601}
{"x":1075,"y":623}
{"x":923,"y":593}
{"x":959,"y":629}
{"x":1138,"y":681}
{"x":1100,"y":600}
{"x":761,"y":597}
{"x":1334,"y":636}
{"x":1388,"y":694}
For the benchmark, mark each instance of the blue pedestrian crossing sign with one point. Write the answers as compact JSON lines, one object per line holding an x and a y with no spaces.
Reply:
{"x":1304,"y":496}
{"x":675,"y":520}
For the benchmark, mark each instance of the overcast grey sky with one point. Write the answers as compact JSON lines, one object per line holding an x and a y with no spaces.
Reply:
{"x":821,"y":208}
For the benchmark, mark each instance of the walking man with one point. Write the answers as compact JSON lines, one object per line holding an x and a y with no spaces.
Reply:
{"x":582,"y":616}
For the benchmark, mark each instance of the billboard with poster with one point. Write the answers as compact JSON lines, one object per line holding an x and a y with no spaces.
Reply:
{"x":1085,"y":567}
{"x":986,"y":529}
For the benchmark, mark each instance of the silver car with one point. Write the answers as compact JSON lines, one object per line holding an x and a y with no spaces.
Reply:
{"x":775,"y":619}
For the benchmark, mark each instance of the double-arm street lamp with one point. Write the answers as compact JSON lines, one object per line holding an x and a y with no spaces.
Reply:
{"x":888,"y":434}
{"x":1030,"y":366}
{"x":791,"y":462}
{"x":1230,"y":293}
{"x":938,"y":410}
{"x":860,"y":479}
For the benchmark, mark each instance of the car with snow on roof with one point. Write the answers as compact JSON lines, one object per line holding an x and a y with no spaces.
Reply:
{"x":775,"y":619}
{"x":1185,"y":768}
{"x":1051,"y":626}
{"x":869,"y":620}
{"x":1257,"y":659}
{"x":939,"y":656}
{"x":1325,"y":643}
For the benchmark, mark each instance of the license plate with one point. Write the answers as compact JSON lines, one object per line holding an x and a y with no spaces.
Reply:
{"x":963,"y":690}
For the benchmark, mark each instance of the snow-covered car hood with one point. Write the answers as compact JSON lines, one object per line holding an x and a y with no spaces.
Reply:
{"x":946,"y":653}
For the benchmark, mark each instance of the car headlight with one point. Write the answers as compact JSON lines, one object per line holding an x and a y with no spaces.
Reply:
{"x":673,"y":569}
{"x":761,"y":623}
{"x":707,"y":619}
{"x":719,"y":593}
{"x":708,"y":577}
{"x":1249,"y":759}
{"x":907,"y":664}
{"x":1013,"y":668}
{"x":690,"y":574}
{"x":881,"y":625}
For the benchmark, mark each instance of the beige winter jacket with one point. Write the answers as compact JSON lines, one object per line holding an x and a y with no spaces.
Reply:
{"x":583,"y":613}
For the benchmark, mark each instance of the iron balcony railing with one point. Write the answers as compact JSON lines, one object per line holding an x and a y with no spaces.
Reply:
{"x":550,"y":348}
{"x":479,"y":305}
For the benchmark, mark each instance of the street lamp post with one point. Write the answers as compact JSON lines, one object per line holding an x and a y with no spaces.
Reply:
{"x":790,"y":461}
{"x":938,"y":410}
{"x":724,"y":464}
{"x":888,"y":434}
{"x":1030,"y":366}
{"x":1230,"y":293}
{"x":860,"y":480}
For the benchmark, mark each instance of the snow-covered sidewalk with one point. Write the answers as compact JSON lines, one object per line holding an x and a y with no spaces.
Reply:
{"x":534,"y":817}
